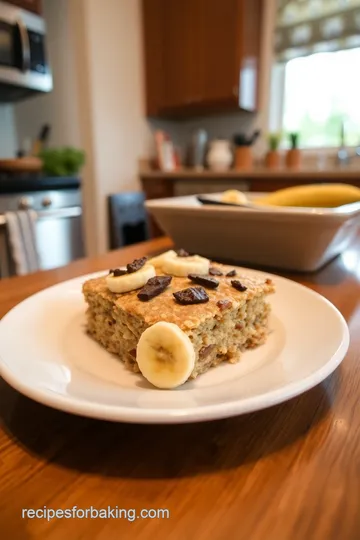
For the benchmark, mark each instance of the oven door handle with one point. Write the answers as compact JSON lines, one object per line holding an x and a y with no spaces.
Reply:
{"x":25,"y":46}
{"x":61,"y":213}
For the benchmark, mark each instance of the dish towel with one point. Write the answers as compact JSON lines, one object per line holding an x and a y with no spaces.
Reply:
{"x":22,"y":240}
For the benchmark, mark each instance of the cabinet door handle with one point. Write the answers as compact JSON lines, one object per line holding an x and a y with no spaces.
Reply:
{"x":235,"y":91}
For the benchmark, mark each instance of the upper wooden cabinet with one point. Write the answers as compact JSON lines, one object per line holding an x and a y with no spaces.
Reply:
{"x":201,"y":56}
{"x":29,"y":5}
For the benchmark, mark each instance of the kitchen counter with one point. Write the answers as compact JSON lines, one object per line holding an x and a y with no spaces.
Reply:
{"x":290,"y":471}
{"x":340,"y":174}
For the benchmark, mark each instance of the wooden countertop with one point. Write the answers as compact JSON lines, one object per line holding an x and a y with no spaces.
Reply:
{"x":338,"y":173}
{"x":288,"y":472}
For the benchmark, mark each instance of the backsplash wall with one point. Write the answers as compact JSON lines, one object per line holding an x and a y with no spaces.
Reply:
{"x":8,"y":137}
{"x":217,"y":127}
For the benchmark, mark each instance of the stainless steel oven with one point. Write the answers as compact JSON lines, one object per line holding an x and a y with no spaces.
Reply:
{"x":58,"y":228}
{"x":24,"y":69}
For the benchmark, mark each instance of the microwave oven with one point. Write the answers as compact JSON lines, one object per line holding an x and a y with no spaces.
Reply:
{"x":24,"y":69}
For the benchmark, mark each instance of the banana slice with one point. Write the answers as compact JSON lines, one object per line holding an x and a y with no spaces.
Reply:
{"x":165,"y":355}
{"x":183,"y":266}
{"x":130,"y":282}
{"x":158,"y":261}
{"x":234,"y":196}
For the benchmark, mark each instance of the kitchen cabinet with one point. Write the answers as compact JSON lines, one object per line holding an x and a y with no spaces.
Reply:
{"x":29,"y":5}
{"x":201,"y":56}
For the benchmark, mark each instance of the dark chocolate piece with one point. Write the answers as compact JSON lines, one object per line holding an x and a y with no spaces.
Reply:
{"x":116,"y":272}
{"x":224,"y":304}
{"x":206,"y":281}
{"x":239,"y":326}
{"x":153,"y":287}
{"x":232,"y":273}
{"x":136,"y":265}
{"x":182,"y":253}
{"x":215,"y":271}
{"x":205,"y":351}
{"x":237,"y":285}
{"x":192,"y":295}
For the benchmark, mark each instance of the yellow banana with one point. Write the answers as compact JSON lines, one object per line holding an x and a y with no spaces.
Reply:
{"x":313,"y":195}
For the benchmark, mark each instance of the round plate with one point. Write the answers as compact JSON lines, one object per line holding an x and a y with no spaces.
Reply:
{"x":46,"y":354}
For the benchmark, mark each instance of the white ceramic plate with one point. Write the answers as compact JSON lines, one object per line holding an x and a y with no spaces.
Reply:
{"x":46,"y":355}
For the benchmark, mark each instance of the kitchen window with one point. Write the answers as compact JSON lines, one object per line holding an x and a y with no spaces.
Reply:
{"x":316,"y":83}
{"x":320,"y":92}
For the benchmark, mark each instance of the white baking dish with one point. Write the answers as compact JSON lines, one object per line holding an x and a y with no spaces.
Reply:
{"x":302,"y":239}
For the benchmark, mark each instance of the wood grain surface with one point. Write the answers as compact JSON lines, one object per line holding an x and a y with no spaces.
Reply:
{"x":291,"y":472}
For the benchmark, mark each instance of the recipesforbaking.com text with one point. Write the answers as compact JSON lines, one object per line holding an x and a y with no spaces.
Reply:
{"x":110,"y":512}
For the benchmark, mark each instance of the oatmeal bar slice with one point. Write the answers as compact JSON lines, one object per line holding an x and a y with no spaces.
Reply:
{"x":233,"y":320}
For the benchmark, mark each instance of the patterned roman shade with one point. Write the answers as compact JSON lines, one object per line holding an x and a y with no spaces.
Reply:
{"x":307,"y":26}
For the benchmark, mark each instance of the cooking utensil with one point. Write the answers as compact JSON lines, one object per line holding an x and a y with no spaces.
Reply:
{"x":241,"y":139}
{"x":43,"y":138}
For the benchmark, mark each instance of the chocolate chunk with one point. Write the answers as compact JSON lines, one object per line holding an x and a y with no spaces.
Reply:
{"x":206,"y":281}
{"x":268,"y":281}
{"x":136,"y":265}
{"x":118,"y":272}
{"x":205,"y":351}
{"x":192,"y":295}
{"x":239,"y":326}
{"x":182,"y":253}
{"x":224,"y":304}
{"x":153,"y":287}
{"x":232,"y":273}
{"x":215,"y":271}
{"x":237,"y":285}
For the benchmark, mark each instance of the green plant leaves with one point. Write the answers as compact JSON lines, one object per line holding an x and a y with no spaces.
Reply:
{"x":65,"y":161}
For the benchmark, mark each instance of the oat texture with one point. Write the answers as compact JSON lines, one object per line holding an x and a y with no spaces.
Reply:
{"x":220,"y":330}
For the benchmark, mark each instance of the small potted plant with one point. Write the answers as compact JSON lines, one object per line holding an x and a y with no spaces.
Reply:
{"x":243,"y":150}
{"x":272,"y":158}
{"x":293,"y":155}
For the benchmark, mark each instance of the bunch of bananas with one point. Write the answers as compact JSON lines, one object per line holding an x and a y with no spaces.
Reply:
{"x":315,"y":195}
{"x":312,"y":195}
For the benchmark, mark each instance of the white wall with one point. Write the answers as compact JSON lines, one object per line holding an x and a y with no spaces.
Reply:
{"x":8,"y":139}
{"x":115,"y":132}
{"x":217,"y":127}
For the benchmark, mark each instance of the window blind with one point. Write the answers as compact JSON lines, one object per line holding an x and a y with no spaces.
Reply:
{"x":305,"y":27}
